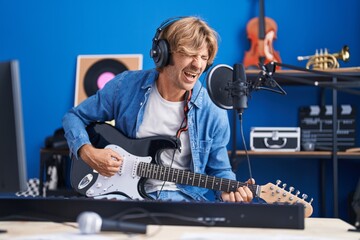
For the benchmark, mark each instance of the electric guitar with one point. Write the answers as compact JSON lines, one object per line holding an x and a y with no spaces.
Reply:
{"x":141,"y":162}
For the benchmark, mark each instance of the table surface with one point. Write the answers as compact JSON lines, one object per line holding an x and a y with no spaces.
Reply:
{"x":315,"y":228}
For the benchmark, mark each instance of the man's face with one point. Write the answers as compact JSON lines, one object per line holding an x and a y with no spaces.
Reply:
{"x":184,"y":70}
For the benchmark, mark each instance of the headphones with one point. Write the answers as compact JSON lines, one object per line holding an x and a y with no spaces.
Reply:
{"x":160,"y":50}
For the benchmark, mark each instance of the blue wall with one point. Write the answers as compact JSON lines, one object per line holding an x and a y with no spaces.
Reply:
{"x":46,"y":37}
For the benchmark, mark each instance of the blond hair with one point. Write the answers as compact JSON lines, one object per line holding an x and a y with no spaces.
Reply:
{"x":188,"y":35}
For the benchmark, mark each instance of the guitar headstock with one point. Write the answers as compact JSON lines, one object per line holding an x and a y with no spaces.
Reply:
{"x":272,"y":193}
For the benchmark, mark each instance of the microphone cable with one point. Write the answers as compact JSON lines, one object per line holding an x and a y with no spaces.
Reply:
{"x":245,"y":149}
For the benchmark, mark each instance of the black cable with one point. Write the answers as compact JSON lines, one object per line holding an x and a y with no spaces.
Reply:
{"x":245,"y":148}
{"x":137,"y":213}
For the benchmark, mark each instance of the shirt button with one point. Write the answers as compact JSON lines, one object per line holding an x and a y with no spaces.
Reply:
{"x":141,"y":104}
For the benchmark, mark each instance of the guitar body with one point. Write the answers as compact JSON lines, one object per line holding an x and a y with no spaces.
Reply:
{"x":86,"y":181}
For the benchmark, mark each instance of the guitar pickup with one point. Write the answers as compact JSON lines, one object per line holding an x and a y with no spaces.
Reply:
{"x":121,"y":169}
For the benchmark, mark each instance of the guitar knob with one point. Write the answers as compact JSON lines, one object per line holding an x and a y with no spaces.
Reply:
{"x":90,"y":192}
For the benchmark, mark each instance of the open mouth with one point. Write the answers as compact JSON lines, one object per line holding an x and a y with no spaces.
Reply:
{"x":190,"y":75}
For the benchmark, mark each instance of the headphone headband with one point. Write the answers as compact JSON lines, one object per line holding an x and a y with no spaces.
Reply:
{"x":160,"y":50}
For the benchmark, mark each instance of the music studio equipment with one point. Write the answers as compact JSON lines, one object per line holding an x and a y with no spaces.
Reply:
{"x":91,"y":222}
{"x":229,"y":88}
{"x":275,"y":139}
{"x":316,"y":125}
{"x":160,"y":50}
{"x":239,"y":97}
{"x":323,"y":60}
{"x":216,"y":214}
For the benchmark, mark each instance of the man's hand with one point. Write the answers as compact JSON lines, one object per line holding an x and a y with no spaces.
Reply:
{"x":105,"y":161}
{"x":243,"y":194}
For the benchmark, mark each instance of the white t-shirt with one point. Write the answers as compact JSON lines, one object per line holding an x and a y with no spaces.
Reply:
{"x":165,"y":118}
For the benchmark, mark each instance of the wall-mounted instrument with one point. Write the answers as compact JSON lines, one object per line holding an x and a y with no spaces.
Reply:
{"x":261,"y":31}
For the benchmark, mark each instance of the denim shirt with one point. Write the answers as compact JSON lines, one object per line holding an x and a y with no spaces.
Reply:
{"x":123,"y":99}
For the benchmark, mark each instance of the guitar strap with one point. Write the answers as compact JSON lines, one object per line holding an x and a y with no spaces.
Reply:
{"x":185,"y":121}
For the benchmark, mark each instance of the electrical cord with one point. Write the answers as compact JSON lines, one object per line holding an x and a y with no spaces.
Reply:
{"x":245,"y":149}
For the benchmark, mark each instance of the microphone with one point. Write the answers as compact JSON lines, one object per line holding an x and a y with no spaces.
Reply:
{"x":91,"y":222}
{"x":240,"y":88}
{"x":229,"y":88}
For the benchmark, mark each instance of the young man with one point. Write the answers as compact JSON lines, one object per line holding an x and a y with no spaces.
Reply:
{"x":166,"y":101}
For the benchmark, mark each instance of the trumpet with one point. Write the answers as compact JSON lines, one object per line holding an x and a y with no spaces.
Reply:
{"x":322,"y":60}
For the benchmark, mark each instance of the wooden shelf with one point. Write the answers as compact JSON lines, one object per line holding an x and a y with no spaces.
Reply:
{"x":301,"y":154}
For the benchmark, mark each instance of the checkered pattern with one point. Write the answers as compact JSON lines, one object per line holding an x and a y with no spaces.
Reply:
{"x":32,"y":188}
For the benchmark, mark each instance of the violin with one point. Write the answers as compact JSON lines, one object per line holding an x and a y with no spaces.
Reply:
{"x":262,"y":32}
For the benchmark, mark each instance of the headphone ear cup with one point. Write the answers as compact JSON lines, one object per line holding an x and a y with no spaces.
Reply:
{"x":162,"y":53}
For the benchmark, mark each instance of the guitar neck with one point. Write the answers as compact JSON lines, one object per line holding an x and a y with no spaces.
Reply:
{"x":168,"y":174}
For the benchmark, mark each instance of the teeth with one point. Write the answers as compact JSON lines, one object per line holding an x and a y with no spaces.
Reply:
{"x":191,"y":74}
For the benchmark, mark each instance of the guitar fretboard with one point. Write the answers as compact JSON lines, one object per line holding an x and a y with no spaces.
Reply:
{"x":168,"y":174}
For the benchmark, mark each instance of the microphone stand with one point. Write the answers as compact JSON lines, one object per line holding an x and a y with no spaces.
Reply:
{"x":264,"y":81}
{"x":346,"y":85}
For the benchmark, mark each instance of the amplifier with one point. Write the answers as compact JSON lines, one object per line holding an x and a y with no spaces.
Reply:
{"x":317,"y":126}
{"x":283,"y":139}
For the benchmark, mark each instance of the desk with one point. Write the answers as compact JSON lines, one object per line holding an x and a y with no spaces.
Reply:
{"x":315,"y":228}
{"x":319,"y":155}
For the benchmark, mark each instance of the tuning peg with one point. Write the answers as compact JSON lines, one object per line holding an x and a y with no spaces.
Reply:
{"x":284,"y":185}
{"x":278,"y":182}
{"x":291,"y":189}
{"x":297,"y":193}
{"x":304,"y":196}
{"x":311,"y":200}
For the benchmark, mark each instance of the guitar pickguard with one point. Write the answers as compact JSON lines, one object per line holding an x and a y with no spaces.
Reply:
{"x":125,"y":182}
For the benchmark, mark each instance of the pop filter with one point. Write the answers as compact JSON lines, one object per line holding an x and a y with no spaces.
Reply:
{"x":217,"y":83}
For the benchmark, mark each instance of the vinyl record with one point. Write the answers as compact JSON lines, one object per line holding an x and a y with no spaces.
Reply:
{"x":94,"y":71}
{"x":100,"y":73}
